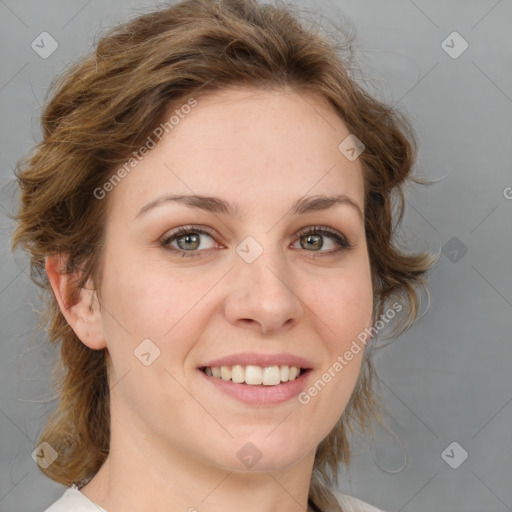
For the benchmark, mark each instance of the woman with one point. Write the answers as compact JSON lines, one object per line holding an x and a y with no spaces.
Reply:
{"x":211,"y":213}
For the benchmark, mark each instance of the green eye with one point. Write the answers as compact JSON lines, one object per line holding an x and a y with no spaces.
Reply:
{"x":312,"y":239}
{"x":188,"y":240}
{"x":315,"y":240}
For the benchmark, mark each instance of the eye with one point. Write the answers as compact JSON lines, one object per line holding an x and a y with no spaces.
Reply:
{"x":188,"y":241}
{"x":313,"y":239}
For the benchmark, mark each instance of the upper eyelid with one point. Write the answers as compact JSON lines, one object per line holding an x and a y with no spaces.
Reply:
{"x":175,"y":232}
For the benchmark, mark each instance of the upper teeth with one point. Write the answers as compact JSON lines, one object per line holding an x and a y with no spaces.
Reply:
{"x":254,"y":375}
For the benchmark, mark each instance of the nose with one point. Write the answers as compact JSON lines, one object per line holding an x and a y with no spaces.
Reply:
{"x":263,"y":295}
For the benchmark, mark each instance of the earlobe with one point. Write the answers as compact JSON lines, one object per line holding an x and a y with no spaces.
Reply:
{"x":84,"y":314}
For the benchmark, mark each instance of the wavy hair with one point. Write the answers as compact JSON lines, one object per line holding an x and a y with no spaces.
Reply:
{"x":103,"y":108}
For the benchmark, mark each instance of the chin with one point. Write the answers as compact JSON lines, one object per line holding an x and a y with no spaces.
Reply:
{"x":265,"y":455}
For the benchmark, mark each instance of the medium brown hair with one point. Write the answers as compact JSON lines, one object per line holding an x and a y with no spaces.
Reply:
{"x":104,"y":107}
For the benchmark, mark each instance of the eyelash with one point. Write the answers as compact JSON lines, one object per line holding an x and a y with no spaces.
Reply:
{"x":344,"y":244}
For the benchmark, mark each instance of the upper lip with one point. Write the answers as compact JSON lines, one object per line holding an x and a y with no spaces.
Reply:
{"x":264,"y":360}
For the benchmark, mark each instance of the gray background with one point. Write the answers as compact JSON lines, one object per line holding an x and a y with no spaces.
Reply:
{"x":445,"y":380}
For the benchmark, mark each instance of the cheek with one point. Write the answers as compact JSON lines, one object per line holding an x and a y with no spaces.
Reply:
{"x":343,"y":304}
{"x":149,"y":300}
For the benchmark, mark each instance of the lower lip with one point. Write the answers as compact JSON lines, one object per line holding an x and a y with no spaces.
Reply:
{"x":260,"y":395}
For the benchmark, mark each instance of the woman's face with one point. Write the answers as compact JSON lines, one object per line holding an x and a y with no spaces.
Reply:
{"x":236,"y":286}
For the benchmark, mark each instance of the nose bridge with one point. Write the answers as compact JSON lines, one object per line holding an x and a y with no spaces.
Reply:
{"x":262,"y":290}
{"x":263,"y":268}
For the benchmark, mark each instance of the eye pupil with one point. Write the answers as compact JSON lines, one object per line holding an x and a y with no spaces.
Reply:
{"x":313,"y":241}
{"x":188,"y":237}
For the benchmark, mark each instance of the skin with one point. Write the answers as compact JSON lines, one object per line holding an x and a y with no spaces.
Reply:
{"x":174,"y":439}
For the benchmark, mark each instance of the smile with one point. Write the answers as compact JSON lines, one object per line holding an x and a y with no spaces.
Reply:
{"x":253,"y":375}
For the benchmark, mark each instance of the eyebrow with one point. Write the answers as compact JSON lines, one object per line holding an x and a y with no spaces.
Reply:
{"x":217,"y":205}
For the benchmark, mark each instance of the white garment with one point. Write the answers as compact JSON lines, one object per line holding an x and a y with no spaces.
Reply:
{"x":73,"y":500}
{"x":351,"y":504}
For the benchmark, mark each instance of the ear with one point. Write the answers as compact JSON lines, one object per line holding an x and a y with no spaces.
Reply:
{"x":83,"y":316}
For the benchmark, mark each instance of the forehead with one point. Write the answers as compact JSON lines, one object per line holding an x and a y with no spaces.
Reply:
{"x":247,"y":145}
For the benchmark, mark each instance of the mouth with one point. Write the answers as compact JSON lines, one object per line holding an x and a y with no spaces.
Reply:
{"x":253,"y":375}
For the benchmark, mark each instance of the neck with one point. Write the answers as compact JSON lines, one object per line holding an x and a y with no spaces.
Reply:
{"x":141,"y":474}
